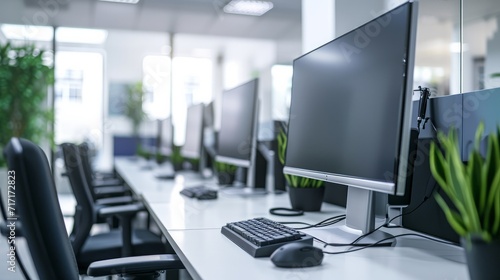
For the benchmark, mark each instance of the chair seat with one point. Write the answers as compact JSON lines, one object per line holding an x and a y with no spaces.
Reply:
{"x":111,"y":191}
{"x":109,"y":245}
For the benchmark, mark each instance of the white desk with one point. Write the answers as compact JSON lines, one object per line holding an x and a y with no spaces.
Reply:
{"x":193,"y":229}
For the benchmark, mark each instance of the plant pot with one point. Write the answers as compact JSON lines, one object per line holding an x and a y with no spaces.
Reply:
{"x":306,"y":199}
{"x":224,"y":178}
{"x":482,"y":258}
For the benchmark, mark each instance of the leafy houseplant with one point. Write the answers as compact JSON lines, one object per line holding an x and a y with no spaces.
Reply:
{"x":305,"y":193}
{"x":176,"y":158}
{"x":24,"y":83}
{"x":474,"y":191}
{"x":132,"y":109}
{"x":225,"y":173}
{"x":133,"y":106}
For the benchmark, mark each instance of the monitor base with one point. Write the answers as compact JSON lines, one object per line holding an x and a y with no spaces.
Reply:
{"x":242,"y":190}
{"x":343,"y":235}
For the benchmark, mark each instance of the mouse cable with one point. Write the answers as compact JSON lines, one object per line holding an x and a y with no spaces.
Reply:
{"x":382,"y":240}
{"x":324,"y":223}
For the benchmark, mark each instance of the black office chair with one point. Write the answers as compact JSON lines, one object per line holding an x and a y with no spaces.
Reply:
{"x":107,"y":192}
{"x":43,"y":225}
{"x":122,"y":242}
{"x":87,"y":153}
{"x":101,"y":188}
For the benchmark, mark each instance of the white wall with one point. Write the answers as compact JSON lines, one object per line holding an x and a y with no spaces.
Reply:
{"x":492,"y":64}
{"x":125,"y":51}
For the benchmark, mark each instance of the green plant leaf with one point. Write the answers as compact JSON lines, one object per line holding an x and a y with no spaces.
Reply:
{"x":455,"y":220}
{"x":476,"y":180}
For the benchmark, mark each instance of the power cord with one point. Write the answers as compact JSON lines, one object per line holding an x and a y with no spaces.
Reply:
{"x":327,"y":222}
{"x":383,"y":240}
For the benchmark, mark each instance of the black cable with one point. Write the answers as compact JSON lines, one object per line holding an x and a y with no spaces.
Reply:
{"x":383,"y":240}
{"x":395,"y":217}
{"x":324,"y":223}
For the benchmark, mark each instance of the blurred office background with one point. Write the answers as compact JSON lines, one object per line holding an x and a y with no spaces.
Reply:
{"x":187,"y":51}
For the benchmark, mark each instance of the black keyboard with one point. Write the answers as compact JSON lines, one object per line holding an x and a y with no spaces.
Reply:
{"x":199,"y":192}
{"x":260,"y":237}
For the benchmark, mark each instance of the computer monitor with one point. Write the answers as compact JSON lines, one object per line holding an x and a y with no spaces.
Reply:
{"x":166,"y":137}
{"x":192,"y":148}
{"x":350,"y":115}
{"x":237,"y":135}
{"x":209,"y":135}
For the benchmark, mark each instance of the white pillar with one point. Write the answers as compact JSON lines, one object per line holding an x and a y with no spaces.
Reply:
{"x":318,"y":23}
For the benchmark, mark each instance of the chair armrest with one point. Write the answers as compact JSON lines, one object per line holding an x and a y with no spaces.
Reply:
{"x":121,"y":210}
{"x":7,"y":227}
{"x":124,"y":214}
{"x":117,"y":200}
{"x":132,"y":265}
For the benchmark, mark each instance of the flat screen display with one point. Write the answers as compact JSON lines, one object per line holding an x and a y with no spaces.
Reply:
{"x":348,"y":103}
{"x":237,"y":122}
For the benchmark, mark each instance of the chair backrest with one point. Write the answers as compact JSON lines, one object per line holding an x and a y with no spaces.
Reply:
{"x":85,"y":215}
{"x":38,"y":208}
{"x":84,"y":151}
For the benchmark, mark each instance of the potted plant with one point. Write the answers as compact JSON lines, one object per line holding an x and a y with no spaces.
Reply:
{"x":133,"y":106}
{"x":132,"y":109}
{"x":305,"y":193}
{"x":474,"y":191}
{"x":176,"y":158}
{"x":24,"y":84}
{"x":225,"y":173}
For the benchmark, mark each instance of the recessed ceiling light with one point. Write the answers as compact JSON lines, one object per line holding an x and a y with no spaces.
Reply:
{"x":122,"y":1}
{"x":248,"y":7}
{"x":81,"y":35}
{"x":27,"y":32}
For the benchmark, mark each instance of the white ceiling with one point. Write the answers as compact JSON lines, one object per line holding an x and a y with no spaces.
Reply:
{"x":205,"y":17}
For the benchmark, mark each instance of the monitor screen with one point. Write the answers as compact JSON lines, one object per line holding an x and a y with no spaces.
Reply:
{"x":350,"y":112}
{"x":194,"y":132}
{"x":237,"y":124}
{"x":166,"y":137}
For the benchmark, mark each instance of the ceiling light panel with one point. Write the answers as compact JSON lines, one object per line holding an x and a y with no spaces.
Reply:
{"x":248,"y":7}
{"x":122,"y":1}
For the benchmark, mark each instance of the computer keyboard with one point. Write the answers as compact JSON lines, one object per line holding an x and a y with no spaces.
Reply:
{"x":199,"y":192}
{"x":260,"y":237}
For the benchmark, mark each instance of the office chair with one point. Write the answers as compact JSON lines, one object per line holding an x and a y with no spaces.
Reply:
{"x":101,"y":188}
{"x":87,"y":152}
{"x":115,"y":243}
{"x":103,"y":192}
{"x":43,"y":225}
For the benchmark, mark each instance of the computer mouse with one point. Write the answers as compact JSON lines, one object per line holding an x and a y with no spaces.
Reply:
{"x":297,"y":254}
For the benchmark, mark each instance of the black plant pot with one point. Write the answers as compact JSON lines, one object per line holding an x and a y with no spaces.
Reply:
{"x":482,"y":258}
{"x":306,"y":199}
{"x":224,"y":178}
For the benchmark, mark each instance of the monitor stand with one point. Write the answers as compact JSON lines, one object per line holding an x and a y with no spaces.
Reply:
{"x":360,"y":219}
{"x":243,"y":190}
{"x":165,"y":171}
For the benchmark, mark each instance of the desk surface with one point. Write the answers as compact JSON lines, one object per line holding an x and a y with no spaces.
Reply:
{"x":193,"y":229}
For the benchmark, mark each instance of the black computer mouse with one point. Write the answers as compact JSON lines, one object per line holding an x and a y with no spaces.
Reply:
{"x":297,"y":254}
